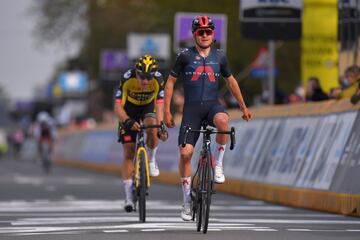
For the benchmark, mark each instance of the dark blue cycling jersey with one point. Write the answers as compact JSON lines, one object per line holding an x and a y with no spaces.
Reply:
{"x":200,"y":76}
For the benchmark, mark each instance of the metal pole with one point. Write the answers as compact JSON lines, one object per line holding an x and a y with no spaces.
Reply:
{"x":271,"y":83}
{"x":357,"y":30}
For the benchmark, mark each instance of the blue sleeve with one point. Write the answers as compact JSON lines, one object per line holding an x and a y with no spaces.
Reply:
{"x":224,"y":66}
{"x":179,"y":65}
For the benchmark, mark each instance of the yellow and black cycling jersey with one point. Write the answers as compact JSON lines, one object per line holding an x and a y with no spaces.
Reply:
{"x":131,"y":90}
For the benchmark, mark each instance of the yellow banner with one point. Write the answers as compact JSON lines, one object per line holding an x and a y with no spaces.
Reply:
{"x":319,"y":51}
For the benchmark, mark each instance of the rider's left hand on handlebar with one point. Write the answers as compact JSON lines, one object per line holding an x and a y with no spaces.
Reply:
{"x":246,"y":114}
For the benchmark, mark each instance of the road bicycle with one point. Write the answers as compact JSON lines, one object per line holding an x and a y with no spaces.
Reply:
{"x":141,"y":179}
{"x":202,"y":184}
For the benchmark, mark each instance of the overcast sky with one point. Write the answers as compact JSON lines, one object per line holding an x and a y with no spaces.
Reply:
{"x":23,"y":65}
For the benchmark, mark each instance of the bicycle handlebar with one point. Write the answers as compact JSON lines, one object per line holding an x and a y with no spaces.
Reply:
{"x":161,"y":126}
{"x":211,"y":131}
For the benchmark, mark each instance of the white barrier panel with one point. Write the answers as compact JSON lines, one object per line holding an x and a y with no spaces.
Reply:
{"x":294,"y":151}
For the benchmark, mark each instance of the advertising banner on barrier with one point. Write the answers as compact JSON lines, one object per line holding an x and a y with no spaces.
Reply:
{"x":319,"y":152}
{"x":347,"y":178}
{"x":299,"y":151}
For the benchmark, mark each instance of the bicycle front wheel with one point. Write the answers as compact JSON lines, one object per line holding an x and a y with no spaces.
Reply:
{"x":198,"y":197}
{"x":207,"y":190}
{"x":143,"y":172}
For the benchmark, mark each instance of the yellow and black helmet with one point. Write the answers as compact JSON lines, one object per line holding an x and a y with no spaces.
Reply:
{"x":146,"y":67}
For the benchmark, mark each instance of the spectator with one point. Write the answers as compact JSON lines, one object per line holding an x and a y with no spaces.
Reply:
{"x":348,"y":86}
{"x":298,"y":96}
{"x":356,"y":97}
{"x":314,"y":91}
{"x":17,"y":139}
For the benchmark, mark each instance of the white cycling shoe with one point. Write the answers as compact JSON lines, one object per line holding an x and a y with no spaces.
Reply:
{"x":129,"y":205}
{"x":154,"y":169}
{"x":186,"y":212}
{"x":219,"y":174}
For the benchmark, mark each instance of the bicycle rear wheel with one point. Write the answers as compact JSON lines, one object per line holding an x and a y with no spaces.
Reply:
{"x":142,"y":186}
{"x":207,"y":190}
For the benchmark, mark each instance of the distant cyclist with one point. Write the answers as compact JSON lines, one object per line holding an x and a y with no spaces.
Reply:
{"x":140,"y":96}
{"x":199,"y":69}
{"x":44,"y":130}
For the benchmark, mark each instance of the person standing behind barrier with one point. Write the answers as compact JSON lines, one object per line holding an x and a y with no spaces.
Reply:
{"x":348,"y":84}
{"x":200,"y":68}
{"x":356,"y":97}
{"x":314,"y":91}
{"x":139,"y":97}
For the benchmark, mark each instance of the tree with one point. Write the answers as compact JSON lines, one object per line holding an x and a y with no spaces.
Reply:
{"x":102,"y":24}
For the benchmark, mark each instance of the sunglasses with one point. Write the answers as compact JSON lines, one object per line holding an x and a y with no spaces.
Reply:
{"x":201,"y":32}
{"x":144,"y":76}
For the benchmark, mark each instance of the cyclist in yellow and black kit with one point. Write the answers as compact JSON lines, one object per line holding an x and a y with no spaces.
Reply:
{"x":139,"y":97}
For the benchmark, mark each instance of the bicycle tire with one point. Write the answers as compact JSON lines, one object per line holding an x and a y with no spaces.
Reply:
{"x":142,"y":186}
{"x":200,"y":190}
{"x":198,"y":201}
{"x":206,"y":196}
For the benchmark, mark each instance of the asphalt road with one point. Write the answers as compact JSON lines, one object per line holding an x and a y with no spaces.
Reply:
{"x":80,"y":204}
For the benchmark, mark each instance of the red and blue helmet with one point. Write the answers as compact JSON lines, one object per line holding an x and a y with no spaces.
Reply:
{"x":202,"y":22}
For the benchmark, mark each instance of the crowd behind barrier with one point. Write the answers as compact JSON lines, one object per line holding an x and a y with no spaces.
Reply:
{"x":304,"y":155}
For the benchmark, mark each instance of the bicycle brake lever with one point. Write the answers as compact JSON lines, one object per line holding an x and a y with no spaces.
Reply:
{"x":232,"y":138}
{"x":187,"y":128}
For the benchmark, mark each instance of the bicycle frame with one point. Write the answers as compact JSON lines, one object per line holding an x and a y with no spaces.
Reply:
{"x":204,"y":175}
{"x":141,"y":176}
{"x":140,"y":147}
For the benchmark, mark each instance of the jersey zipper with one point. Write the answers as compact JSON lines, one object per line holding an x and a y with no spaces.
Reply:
{"x":203,"y":81}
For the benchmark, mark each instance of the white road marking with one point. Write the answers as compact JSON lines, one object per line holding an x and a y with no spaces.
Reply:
{"x":47,"y":233}
{"x":41,"y":216}
{"x":153,"y":230}
{"x":69,"y":205}
{"x":242,"y":227}
{"x":115,"y":231}
{"x":298,"y":230}
{"x":159,"y":214}
{"x":264,"y":230}
{"x":289,"y":221}
{"x":28,"y":180}
{"x":320,"y":230}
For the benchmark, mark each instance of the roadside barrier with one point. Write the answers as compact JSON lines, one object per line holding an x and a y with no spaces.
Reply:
{"x":303,"y":155}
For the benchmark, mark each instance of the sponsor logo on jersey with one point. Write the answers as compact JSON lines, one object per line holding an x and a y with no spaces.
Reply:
{"x":157,"y":74}
{"x":127,"y":74}
{"x":200,"y":70}
{"x":118,"y":93}
{"x":127,"y":138}
{"x":161,"y":93}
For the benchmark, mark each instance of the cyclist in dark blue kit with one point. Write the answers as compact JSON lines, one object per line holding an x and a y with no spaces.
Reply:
{"x":199,"y":68}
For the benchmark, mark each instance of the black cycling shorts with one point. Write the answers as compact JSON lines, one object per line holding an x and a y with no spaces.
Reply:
{"x":194,"y":114}
{"x":137,"y":113}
